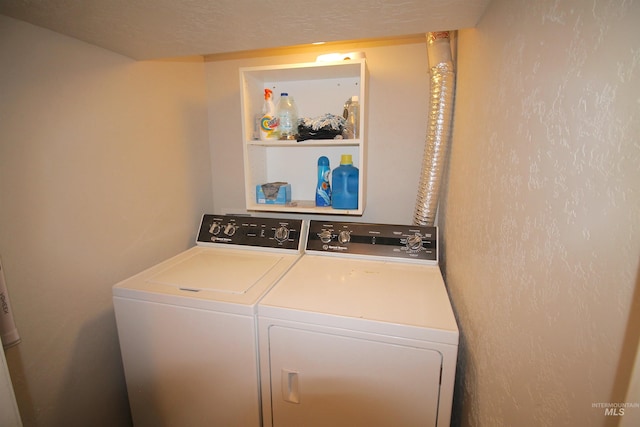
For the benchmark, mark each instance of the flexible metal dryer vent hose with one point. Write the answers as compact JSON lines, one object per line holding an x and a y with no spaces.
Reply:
{"x":442,"y":91}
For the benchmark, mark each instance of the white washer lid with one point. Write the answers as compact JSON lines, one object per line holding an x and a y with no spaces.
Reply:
{"x":233,"y":273}
{"x":210,"y":278}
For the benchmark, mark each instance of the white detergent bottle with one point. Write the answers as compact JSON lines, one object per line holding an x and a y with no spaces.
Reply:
{"x":269,"y":120}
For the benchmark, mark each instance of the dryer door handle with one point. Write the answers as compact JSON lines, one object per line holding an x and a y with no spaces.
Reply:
{"x":289,"y":382}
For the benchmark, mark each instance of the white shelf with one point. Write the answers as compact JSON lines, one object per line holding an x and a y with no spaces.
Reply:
{"x":318,"y":88}
{"x":302,"y":206}
{"x":308,"y":143}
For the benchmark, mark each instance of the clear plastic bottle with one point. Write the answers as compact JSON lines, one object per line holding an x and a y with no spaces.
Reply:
{"x":323,"y":189}
{"x":287,"y":114}
{"x":344,"y":183}
{"x":351,"y":114}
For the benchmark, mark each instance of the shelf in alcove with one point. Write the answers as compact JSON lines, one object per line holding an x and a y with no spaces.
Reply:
{"x":307,"y":143}
{"x":303,"y":206}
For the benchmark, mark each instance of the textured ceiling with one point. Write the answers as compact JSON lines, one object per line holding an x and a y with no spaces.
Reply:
{"x":153,"y":29}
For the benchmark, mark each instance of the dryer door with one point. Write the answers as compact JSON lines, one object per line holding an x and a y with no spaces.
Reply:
{"x":321,"y":379}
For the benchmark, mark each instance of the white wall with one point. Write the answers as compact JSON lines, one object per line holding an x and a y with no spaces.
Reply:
{"x":398,"y":92}
{"x":542,"y":212}
{"x":104,"y":170}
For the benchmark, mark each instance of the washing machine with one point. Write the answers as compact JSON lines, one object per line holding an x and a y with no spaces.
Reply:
{"x":359,"y":332}
{"x":187,"y":326}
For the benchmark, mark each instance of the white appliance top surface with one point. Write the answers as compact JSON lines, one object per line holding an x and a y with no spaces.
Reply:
{"x":225,"y":272}
{"x":224,"y":278}
{"x":396,"y":298}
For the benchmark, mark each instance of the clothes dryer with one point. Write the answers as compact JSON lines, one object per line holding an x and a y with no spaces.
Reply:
{"x":360,"y":331}
{"x":187,"y":326}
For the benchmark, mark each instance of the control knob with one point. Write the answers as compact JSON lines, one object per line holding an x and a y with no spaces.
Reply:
{"x":414,"y":242}
{"x":230,"y":229}
{"x":344,"y":237}
{"x":282,"y":233}
{"x":325,"y":236}
{"x":215,"y":228}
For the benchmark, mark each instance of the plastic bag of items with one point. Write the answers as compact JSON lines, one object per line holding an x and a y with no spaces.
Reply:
{"x":327,"y":126}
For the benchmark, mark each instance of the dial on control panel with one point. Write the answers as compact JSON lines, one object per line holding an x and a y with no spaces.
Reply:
{"x":344,"y":237}
{"x":230,"y":229}
{"x":215,"y":228}
{"x":325,"y":236}
{"x":414,"y":242}
{"x":282,"y":233}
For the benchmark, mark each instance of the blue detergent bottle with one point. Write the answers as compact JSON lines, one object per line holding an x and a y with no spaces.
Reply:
{"x":323,"y":190}
{"x":345,"y":184}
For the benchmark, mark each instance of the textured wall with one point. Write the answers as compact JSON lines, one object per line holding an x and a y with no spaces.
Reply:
{"x":103,"y":171}
{"x":542,"y":211}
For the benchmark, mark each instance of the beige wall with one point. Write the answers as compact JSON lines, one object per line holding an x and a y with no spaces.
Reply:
{"x":542,"y":215}
{"x":104,"y":170}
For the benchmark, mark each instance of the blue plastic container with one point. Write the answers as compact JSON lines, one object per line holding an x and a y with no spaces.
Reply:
{"x":323,"y":189}
{"x":344,"y":184}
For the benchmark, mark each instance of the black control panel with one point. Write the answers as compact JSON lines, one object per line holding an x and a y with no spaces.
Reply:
{"x":250,"y":231}
{"x":398,"y":241}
